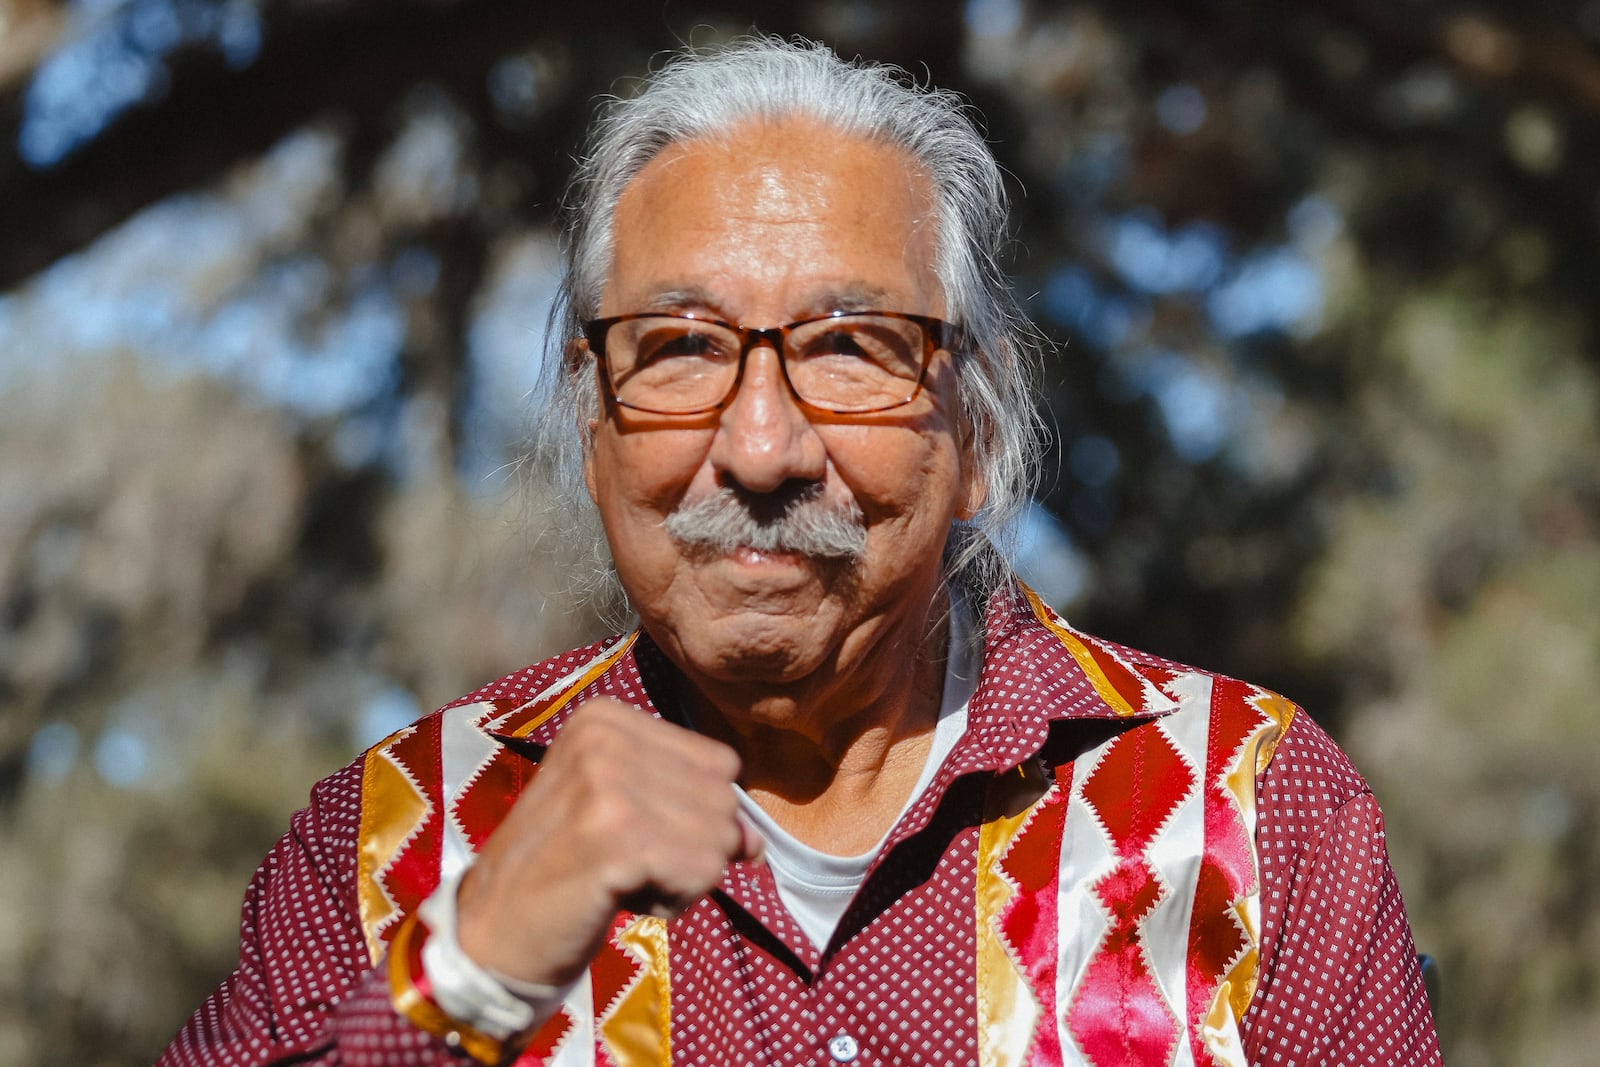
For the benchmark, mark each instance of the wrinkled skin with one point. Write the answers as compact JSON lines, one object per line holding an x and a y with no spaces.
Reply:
{"x":813,"y":683}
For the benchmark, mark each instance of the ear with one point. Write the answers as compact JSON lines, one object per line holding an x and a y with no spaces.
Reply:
{"x":977,"y":491}
{"x":974,"y":486}
{"x":588,"y":465}
{"x":574,"y":361}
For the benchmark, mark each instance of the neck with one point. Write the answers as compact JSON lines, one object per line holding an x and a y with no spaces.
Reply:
{"x":834,"y":764}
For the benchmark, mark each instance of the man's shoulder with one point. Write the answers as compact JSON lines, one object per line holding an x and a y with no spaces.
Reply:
{"x":1300,"y":760}
{"x":1304,"y":767}
{"x":527,"y":703}
{"x":1037,"y":657}
{"x":1304,"y":759}
{"x":537,"y":685}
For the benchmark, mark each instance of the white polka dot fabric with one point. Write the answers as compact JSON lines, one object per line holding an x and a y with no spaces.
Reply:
{"x":1338,"y":982}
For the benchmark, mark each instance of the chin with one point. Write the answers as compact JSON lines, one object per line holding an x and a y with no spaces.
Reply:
{"x":756,"y":664}
{"x":756,"y":648}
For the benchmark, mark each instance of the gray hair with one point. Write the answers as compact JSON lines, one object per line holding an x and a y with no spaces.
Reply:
{"x":704,"y":95}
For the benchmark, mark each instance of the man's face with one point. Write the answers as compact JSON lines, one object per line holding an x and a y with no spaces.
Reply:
{"x":776,"y":223}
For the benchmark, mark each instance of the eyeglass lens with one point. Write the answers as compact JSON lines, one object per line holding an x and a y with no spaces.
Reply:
{"x":842,"y":363}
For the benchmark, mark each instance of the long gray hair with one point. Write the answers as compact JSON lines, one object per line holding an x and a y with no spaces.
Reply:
{"x":700,"y":94}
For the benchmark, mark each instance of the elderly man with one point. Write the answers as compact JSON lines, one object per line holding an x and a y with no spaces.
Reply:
{"x":849,"y":793}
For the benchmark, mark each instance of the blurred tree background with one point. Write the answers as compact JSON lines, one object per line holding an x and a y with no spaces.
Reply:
{"x":273,"y":285}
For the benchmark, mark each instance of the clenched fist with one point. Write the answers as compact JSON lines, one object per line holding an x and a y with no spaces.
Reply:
{"x":627,"y":812}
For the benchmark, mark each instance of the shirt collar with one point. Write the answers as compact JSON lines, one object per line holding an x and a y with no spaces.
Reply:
{"x":1036,"y":671}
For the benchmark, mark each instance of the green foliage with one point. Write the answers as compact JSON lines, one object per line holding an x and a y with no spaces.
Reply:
{"x":1462,"y":593}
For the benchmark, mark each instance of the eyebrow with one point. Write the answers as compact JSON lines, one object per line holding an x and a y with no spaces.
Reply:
{"x":854,"y":297}
{"x":679,"y":298}
{"x":858,"y":297}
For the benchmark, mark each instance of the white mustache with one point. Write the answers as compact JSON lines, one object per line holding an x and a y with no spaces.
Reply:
{"x":801,"y":522}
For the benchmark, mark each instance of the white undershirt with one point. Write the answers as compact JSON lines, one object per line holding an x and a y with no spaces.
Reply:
{"x":817,"y":887}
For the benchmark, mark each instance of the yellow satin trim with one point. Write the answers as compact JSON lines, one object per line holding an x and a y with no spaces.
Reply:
{"x":637,"y":1032}
{"x":1086,"y":661}
{"x":595,"y":670}
{"x":1007,"y":1009}
{"x":424,"y":1013}
{"x":1221,"y":1025}
{"x":391,"y":810}
{"x":1280,"y":712}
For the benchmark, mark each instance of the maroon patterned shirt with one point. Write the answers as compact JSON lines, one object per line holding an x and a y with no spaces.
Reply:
{"x":1333,"y":967}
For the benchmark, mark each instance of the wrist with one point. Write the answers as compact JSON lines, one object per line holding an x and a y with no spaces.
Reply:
{"x":444,"y":991}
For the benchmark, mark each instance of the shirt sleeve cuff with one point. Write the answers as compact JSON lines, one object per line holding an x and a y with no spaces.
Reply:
{"x":492,"y":1004}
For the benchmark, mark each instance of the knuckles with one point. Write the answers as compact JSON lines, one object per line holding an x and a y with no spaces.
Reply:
{"x":626,"y":812}
{"x":636,"y":809}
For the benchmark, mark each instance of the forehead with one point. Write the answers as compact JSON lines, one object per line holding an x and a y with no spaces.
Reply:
{"x":773,"y":217}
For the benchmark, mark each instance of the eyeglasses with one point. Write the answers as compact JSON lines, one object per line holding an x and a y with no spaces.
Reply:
{"x":845,"y":363}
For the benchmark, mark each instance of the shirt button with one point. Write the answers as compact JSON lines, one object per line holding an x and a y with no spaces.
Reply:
{"x":843,"y":1048}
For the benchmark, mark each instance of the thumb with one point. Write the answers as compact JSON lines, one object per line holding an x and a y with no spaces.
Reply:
{"x":752,"y":846}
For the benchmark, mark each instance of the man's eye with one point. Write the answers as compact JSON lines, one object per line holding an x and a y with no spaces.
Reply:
{"x":691,"y":345}
{"x":837,"y":343}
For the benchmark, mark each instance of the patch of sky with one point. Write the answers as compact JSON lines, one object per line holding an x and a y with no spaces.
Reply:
{"x":508,"y":351}
{"x":238,"y":34}
{"x":1098,"y":162}
{"x":76,"y":92}
{"x":286,"y":186}
{"x":347,"y":364}
{"x":121,"y":757}
{"x":513,"y":86}
{"x":993,"y":18}
{"x":1198,"y":410}
{"x":113,"y":57}
{"x":195,"y":284}
{"x":422,"y":174}
{"x":388,"y":709}
{"x":86,"y":304}
{"x":1152,"y":259}
{"x":71,"y":305}
{"x":131,"y":286}
{"x":414,"y":272}
{"x":1047,"y":558}
{"x":16,"y":355}
{"x":516,"y":85}
{"x":1181,"y":108}
{"x":1272,"y":289}
{"x":1314,"y":223}
{"x":53,"y":751}
{"x":155,"y":27}
{"x":1276,"y":289}
{"x":1071,"y":298}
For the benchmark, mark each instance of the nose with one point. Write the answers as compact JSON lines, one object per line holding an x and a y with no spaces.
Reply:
{"x":763,"y":438}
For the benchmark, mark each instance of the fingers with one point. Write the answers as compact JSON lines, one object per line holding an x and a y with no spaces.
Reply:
{"x":676,"y":804}
{"x":752,"y":846}
{"x":627,"y":812}
{"x":605,"y":732}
